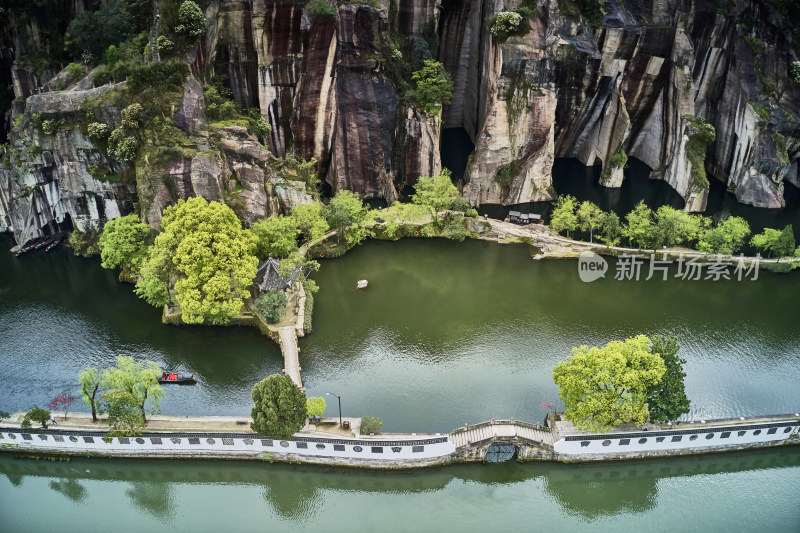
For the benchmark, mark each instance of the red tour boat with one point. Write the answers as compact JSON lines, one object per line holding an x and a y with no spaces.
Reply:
{"x":173,"y":377}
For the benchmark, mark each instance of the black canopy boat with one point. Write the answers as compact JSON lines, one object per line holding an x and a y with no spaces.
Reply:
{"x":32,"y":244}
{"x":56,"y":240}
{"x":44,"y":242}
{"x":174,"y":377}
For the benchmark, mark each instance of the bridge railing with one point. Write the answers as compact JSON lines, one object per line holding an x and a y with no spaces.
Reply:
{"x":509,"y":422}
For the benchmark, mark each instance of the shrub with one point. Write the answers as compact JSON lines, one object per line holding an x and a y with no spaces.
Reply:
{"x":472,"y":213}
{"x":505,"y":24}
{"x":50,"y":126}
{"x":132,"y":116}
{"x":99,"y":131}
{"x":271,"y":307}
{"x":259,"y":126}
{"x":315,"y":405}
{"x":163,"y":75}
{"x":371,"y":424}
{"x":794,"y":72}
{"x":75,"y":72}
{"x":126,"y":149}
{"x":102,"y":76}
{"x":192,"y":20}
{"x":434,"y":88}
{"x":318,"y":8}
{"x":163,"y":44}
{"x":37,"y":414}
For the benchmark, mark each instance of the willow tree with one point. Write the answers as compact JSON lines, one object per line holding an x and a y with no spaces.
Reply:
{"x":605,"y":386}
{"x":202,"y":250}
{"x":139,"y":381}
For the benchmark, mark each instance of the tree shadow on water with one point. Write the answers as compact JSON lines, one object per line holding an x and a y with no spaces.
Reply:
{"x":70,"y":488}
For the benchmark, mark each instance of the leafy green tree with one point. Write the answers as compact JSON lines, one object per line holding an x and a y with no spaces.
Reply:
{"x":435,"y":192}
{"x":280,"y":407}
{"x":505,"y":24}
{"x":590,"y":218}
{"x":37,"y":414}
{"x":139,"y":380}
{"x":90,"y":380}
{"x":295,"y":261}
{"x":348,"y":214}
{"x":371,"y":424}
{"x":639,"y":226}
{"x":123,"y":243}
{"x":434,"y":88}
{"x":124,"y":414}
{"x":765,"y":240}
{"x":192,"y":20}
{"x":310,"y":220}
{"x":611,"y":229}
{"x":563,"y":217}
{"x":203,"y":247}
{"x":315,"y":405}
{"x":95,"y":31}
{"x":784,"y":244}
{"x":277,"y":236}
{"x":271,"y":306}
{"x":726,"y":238}
{"x":674,"y":227}
{"x":601,"y":387}
{"x":319,"y":8}
{"x":667,"y":399}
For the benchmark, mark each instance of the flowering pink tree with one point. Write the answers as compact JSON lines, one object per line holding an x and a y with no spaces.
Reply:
{"x":61,"y":403}
{"x":549,"y":405}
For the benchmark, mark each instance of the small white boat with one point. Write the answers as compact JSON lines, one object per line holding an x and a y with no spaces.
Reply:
{"x":362,"y":284}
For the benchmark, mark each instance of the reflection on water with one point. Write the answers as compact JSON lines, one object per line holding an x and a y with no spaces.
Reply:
{"x":70,"y":488}
{"x":154,"y":497}
{"x":186,"y":493}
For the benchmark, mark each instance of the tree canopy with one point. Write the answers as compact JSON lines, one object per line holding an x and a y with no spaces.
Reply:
{"x":434,"y":88}
{"x":639,"y":226}
{"x":124,"y":415}
{"x":139,"y":380}
{"x":675,"y":226}
{"x":435,"y":192}
{"x":315,"y":405}
{"x":89,"y":380}
{"x":348,"y":214}
{"x":667,"y":399}
{"x":277,"y":236}
{"x":611,"y":229}
{"x":310,"y":220}
{"x":271,"y":306}
{"x":204,"y":250}
{"x":604,"y":386}
{"x":123,"y":243}
{"x":192,"y":20}
{"x":563,"y":217}
{"x":726,"y":238}
{"x":590,"y":218}
{"x":280,"y":407}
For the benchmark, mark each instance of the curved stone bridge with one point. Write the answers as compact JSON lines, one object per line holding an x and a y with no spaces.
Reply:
{"x":477,"y":441}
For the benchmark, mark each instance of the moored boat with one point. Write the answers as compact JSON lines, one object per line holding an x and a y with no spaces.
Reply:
{"x":57,"y":238}
{"x":44,"y":242}
{"x":174,"y":377}
{"x":32,"y":244}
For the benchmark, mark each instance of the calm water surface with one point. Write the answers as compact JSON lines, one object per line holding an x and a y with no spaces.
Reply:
{"x":446,"y":334}
{"x":756,"y":491}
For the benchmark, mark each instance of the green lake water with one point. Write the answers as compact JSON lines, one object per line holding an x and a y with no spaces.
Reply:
{"x":446,"y":334}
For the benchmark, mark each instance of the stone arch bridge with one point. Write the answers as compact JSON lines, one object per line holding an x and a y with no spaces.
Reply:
{"x":502,"y":440}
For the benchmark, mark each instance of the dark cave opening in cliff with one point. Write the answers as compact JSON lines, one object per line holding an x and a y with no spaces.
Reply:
{"x":455,"y":149}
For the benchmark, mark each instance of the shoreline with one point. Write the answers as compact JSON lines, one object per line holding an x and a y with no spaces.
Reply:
{"x":492,"y":441}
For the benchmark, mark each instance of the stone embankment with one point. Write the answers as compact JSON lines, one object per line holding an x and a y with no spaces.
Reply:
{"x":325,"y":443}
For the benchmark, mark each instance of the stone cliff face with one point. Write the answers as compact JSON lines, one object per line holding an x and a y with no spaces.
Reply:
{"x":333,"y":87}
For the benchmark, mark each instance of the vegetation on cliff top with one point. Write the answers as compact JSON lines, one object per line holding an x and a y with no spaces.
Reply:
{"x":434,"y":88}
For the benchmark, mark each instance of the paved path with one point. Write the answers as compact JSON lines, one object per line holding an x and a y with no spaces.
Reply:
{"x":501,"y":429}
{"x":291,"y":362}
